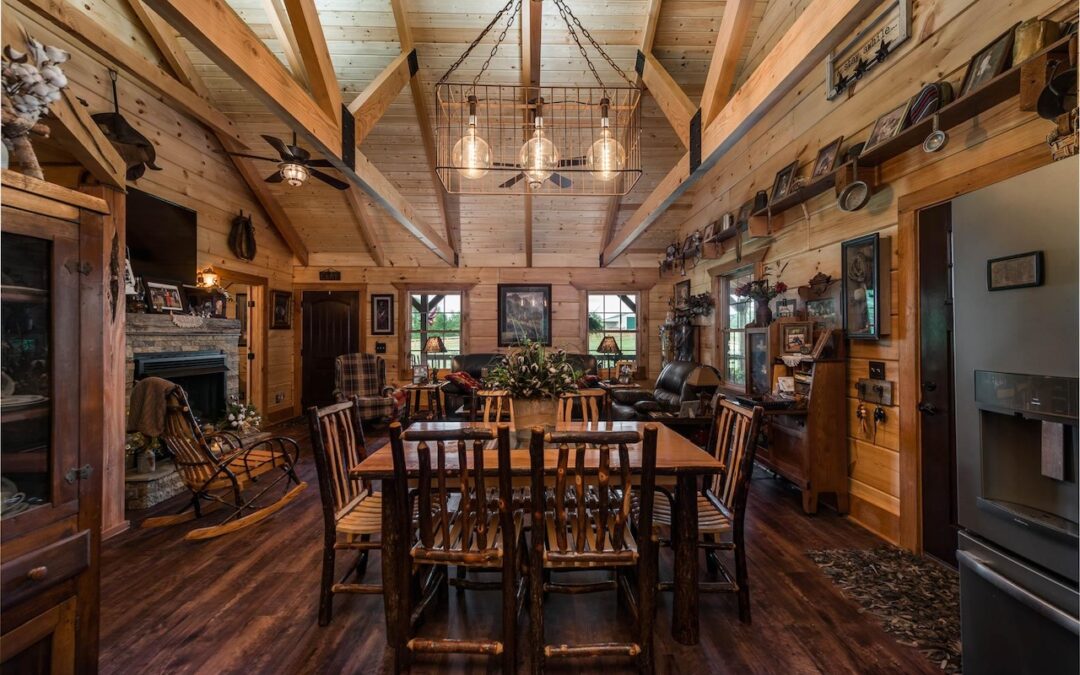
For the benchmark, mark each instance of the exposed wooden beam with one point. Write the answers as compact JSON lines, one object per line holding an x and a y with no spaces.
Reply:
{"x":163,"y":37}
{"x":98,"y":39}
{"x":449,"y":206}
{"x":673,"y":101}
{"x":226,"y":39}
{"x":648,"y":34}
{"x":278,"y":17}
{"x":532,"y":17}
{"x":730,"y":39}
{"x":817,"y":30}
{"x":364,"y":219}
{"x":372,"y":102}
{"x":315,"y":56}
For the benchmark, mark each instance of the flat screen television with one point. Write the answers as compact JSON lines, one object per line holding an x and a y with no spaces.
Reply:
{"x":162,"y":238}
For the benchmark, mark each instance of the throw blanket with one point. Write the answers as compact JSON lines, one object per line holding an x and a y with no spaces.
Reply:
{"x":147,"y":412}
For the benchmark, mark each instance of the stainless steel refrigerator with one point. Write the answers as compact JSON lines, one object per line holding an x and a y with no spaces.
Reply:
{"x":1016,"y":368}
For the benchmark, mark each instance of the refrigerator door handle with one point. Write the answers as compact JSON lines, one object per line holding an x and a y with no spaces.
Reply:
{"x":1018,"y":593}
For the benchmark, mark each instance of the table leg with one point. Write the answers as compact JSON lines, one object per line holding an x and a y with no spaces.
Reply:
{"x":395,"y":583}
{"x":684,"y":619}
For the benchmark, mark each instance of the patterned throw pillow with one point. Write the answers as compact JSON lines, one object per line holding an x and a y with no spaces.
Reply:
{"x":463,"y":380}
{"x":588,"y":382}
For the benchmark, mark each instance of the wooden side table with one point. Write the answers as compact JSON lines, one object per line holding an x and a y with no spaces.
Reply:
{"x":414,"y":395}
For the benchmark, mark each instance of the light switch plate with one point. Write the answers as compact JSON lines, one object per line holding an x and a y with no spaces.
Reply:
{"x":875,"y":391}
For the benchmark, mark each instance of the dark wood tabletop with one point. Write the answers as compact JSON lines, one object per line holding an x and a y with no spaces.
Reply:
{"x":674,"y":454}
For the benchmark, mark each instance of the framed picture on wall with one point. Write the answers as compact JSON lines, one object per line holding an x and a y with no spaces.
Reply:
{"x":888,"y":125}
{"x":524,"y":313}
{"x":787,"y":308}
{"x":989,"y":62}
{"x":795,"y":337}
{"x":382,"y":314}
{"x":1022,"y":270}
{"x":281,"y":309}
{"x":682,"y":293}
{"x":826,"y":158}
{"x":865,"y":287}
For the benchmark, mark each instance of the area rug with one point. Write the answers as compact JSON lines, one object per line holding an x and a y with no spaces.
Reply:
{"x":917,"y":600}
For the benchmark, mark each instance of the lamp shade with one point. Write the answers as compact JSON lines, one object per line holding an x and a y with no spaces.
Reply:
{"x":703,"y":376}
{"x":207,"y":278}
{"x":609,"y":346}
{"x":434,"y":345}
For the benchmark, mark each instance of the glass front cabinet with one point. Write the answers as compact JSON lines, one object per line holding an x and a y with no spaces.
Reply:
{"x":52,"y":299}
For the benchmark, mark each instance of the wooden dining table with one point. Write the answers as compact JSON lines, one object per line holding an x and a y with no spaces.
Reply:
{"x":677,"y":460}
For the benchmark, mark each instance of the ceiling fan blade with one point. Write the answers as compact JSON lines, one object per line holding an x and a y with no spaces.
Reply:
{"x":278,"y":145}
{"x":322,"y":163}
{"x":299,"y":153}
{"x":513,"y":181}
{"x":561,"y":181}
{"x":274,"y":177}
{"x":241,"y":154}
{"x":572,"y":161}
{"x":329,"y":180}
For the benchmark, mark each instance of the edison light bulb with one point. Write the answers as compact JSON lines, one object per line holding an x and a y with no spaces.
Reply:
{"x":539,"y":157}
{"x":606,"y":156}
{"x":471,"y":154}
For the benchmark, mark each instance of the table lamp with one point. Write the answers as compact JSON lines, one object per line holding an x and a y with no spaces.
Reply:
{"x":609,"y":348}
{"x":702,"y":377}
{"x":434,"y":345}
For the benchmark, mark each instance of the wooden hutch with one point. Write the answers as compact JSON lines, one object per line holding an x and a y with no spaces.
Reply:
{"x":55,"y":298}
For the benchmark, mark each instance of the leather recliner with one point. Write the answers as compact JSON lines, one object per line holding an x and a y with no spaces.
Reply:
{"x":668,"y":395}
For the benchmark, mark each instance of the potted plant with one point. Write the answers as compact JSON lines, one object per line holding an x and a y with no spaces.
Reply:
{"x":535,"y":378}
{"x":761,"y":292}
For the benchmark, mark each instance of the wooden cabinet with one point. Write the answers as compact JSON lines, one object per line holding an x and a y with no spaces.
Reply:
{"x":53,"y":296}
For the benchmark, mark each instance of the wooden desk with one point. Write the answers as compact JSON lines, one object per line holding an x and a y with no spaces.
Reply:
{"x":675,"y":457}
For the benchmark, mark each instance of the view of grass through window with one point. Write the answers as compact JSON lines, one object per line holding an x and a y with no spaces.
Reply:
{"x":740,"y":312}
{"x":613,"y":314}
{"x":431,"y":314}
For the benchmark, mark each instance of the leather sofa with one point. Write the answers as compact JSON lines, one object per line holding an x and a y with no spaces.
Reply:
{"x":668,"y":395}
{"x":474,"y":364}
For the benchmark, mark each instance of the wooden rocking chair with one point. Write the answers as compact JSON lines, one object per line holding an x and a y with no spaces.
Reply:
{"x":218,"y":468}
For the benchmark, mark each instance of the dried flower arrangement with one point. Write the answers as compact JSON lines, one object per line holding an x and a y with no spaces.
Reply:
{"x":31,"y":81}
{"x":531,"y":371}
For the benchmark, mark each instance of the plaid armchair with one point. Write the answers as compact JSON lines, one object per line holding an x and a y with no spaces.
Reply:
{"x":364,"y":376}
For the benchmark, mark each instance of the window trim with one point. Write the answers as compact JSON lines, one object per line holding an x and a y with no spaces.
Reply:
{"x":405,"y":311}
{"x":721,"y":274}
{"x":644,"y":299}
{"x":637,"y":297}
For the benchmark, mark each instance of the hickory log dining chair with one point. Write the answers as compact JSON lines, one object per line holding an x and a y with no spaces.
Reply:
{"x":461,"y":528}
{"x":493,"y":406}
{"x":722,"y":500}
{"x":589,"y":401}
{"x":218,"y":468}
{"x":352,"y":510}
{"x":567,"y":535}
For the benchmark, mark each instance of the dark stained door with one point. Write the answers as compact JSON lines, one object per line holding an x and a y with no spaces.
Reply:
{"x":936,"y":411}
{"x":331,"y":323}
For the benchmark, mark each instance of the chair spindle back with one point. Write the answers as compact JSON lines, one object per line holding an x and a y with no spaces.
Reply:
{"x":337,"y":438}
{"x":588,"y":400}
{"x":192,"y":455}
{"x":734,"y":442}
{"x":492,"y":404}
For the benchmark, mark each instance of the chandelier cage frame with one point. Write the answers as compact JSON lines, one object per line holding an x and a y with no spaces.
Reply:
{"x":573,"y":118}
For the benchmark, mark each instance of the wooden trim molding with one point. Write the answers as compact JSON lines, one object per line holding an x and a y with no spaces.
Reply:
{"x":403,"y":313}
{"x":754,"y":258}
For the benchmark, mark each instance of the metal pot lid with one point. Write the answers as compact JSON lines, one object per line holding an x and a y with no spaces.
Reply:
{"x":854,"y":196}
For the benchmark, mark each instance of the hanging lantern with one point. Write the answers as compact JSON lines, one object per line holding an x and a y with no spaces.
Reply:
{"x":538,"y":157}
{"x":607,"y":155}
{"x":472,"y":154}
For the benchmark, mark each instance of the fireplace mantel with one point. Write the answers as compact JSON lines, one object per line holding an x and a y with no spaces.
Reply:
{"x":156,"y":333}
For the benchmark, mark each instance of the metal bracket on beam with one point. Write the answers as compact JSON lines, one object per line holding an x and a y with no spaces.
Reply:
{"x":414,"y":63}
{"x":639,"y":65}
{"x":348,"y":137}
{"x":695,"y":140}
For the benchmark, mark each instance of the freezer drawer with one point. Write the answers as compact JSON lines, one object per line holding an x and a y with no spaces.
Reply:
{"x":1014,"y":618}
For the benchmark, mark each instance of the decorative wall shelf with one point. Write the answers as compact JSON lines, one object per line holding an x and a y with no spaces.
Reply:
{"x":803,"y":194}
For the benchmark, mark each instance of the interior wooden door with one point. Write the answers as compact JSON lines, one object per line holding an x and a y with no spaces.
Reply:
{"x":331,"y":327}
{"x":937,"y":417}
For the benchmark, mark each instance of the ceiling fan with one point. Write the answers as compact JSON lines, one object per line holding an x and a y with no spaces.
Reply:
{"x":295,"y":164}
{"x":555,"y":177}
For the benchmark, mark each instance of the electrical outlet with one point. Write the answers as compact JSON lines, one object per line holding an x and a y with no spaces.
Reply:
{"x":279,"y":397}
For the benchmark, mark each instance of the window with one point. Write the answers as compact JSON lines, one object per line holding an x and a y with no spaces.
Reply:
{"x":738,"y":312}
{"x":431,"y":314}
{"x":614,"y":314}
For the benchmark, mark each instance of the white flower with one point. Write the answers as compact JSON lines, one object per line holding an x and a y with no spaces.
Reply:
{"x":232,"y":418}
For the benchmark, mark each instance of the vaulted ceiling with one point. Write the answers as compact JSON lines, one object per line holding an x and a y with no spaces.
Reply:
{"x":363,"y":38}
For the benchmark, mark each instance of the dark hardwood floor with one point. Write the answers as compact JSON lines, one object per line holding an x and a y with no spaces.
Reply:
{"x":246,"y":603}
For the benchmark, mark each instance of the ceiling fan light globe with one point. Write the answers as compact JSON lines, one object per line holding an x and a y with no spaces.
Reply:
{"x":606,"y":157}
{"x":471,"y":155}
{"x":294,"y":174}
{"x":538,"y":158}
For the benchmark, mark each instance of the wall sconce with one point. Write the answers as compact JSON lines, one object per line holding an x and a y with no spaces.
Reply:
{"x":207,"y":278}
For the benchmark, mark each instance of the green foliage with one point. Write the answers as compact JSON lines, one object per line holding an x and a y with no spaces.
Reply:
{"x":530,"y":371}
{"x":596,"y":324}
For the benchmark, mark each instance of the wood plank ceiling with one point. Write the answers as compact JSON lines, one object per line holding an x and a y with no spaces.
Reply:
{"x":363,"y":39}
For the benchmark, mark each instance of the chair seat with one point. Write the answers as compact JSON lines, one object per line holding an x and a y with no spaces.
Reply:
{"x":710,"y":519}
{"x":592,"y":554}
{"x":473,"y":552}
{"x":364,"y":516}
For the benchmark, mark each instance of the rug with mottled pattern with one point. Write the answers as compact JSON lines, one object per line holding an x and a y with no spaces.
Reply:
{"x":917,"y":600}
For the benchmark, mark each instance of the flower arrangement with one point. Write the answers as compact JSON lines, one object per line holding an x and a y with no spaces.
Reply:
{"x":696,"y":305}
{"x":760,"y":290}
{"x":242,"y":417}
{"x":32,"y":80}
{"x":531,"y":371}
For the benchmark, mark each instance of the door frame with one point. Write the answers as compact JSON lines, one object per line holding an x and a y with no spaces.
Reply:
{"x":258,"y":331}
{"x":298,"y":329}
{"x":909,"y":206}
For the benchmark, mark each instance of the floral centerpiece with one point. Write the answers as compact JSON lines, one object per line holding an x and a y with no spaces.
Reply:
{"x":241,"y":418}
{"x":535,"y":377}
{"x":32,"y":81}
{"x":761,"y":292}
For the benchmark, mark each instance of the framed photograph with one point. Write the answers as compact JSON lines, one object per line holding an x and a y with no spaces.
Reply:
{"x":989,"y":62}
{"x":865,"y":287}
{"x":682,"y":293}
{"x":888,"y":125}
{"x":241,"y":315}
{"x":419,"y":374}
{"x":382,"y":314}
{"x":205,"y":302}
{"x":709,"y":234}
{"x":787,"y":308}
{"x":164,"y":297}
{"x":524,"y":313}
{"x":824,"y":313}
{"x":826,"y":159}
{"x":281,"y":309}
{"x":1022,"y":270}
{"x":796,"y":337}
{"x":782,"y":182}
{"x":129,"y":275}
{"x":745,"y":212}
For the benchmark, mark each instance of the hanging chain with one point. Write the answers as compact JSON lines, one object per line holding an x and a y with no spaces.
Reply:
{"x":568,"y":16}
{"x":479,"y":38}
{"x":498,"y":41}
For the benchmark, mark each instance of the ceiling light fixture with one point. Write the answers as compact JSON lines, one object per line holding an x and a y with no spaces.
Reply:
{"x":472,"y":154}
{"x":606,"y":156}
{"x":538,"y":157}
{"x":293,"y":174}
